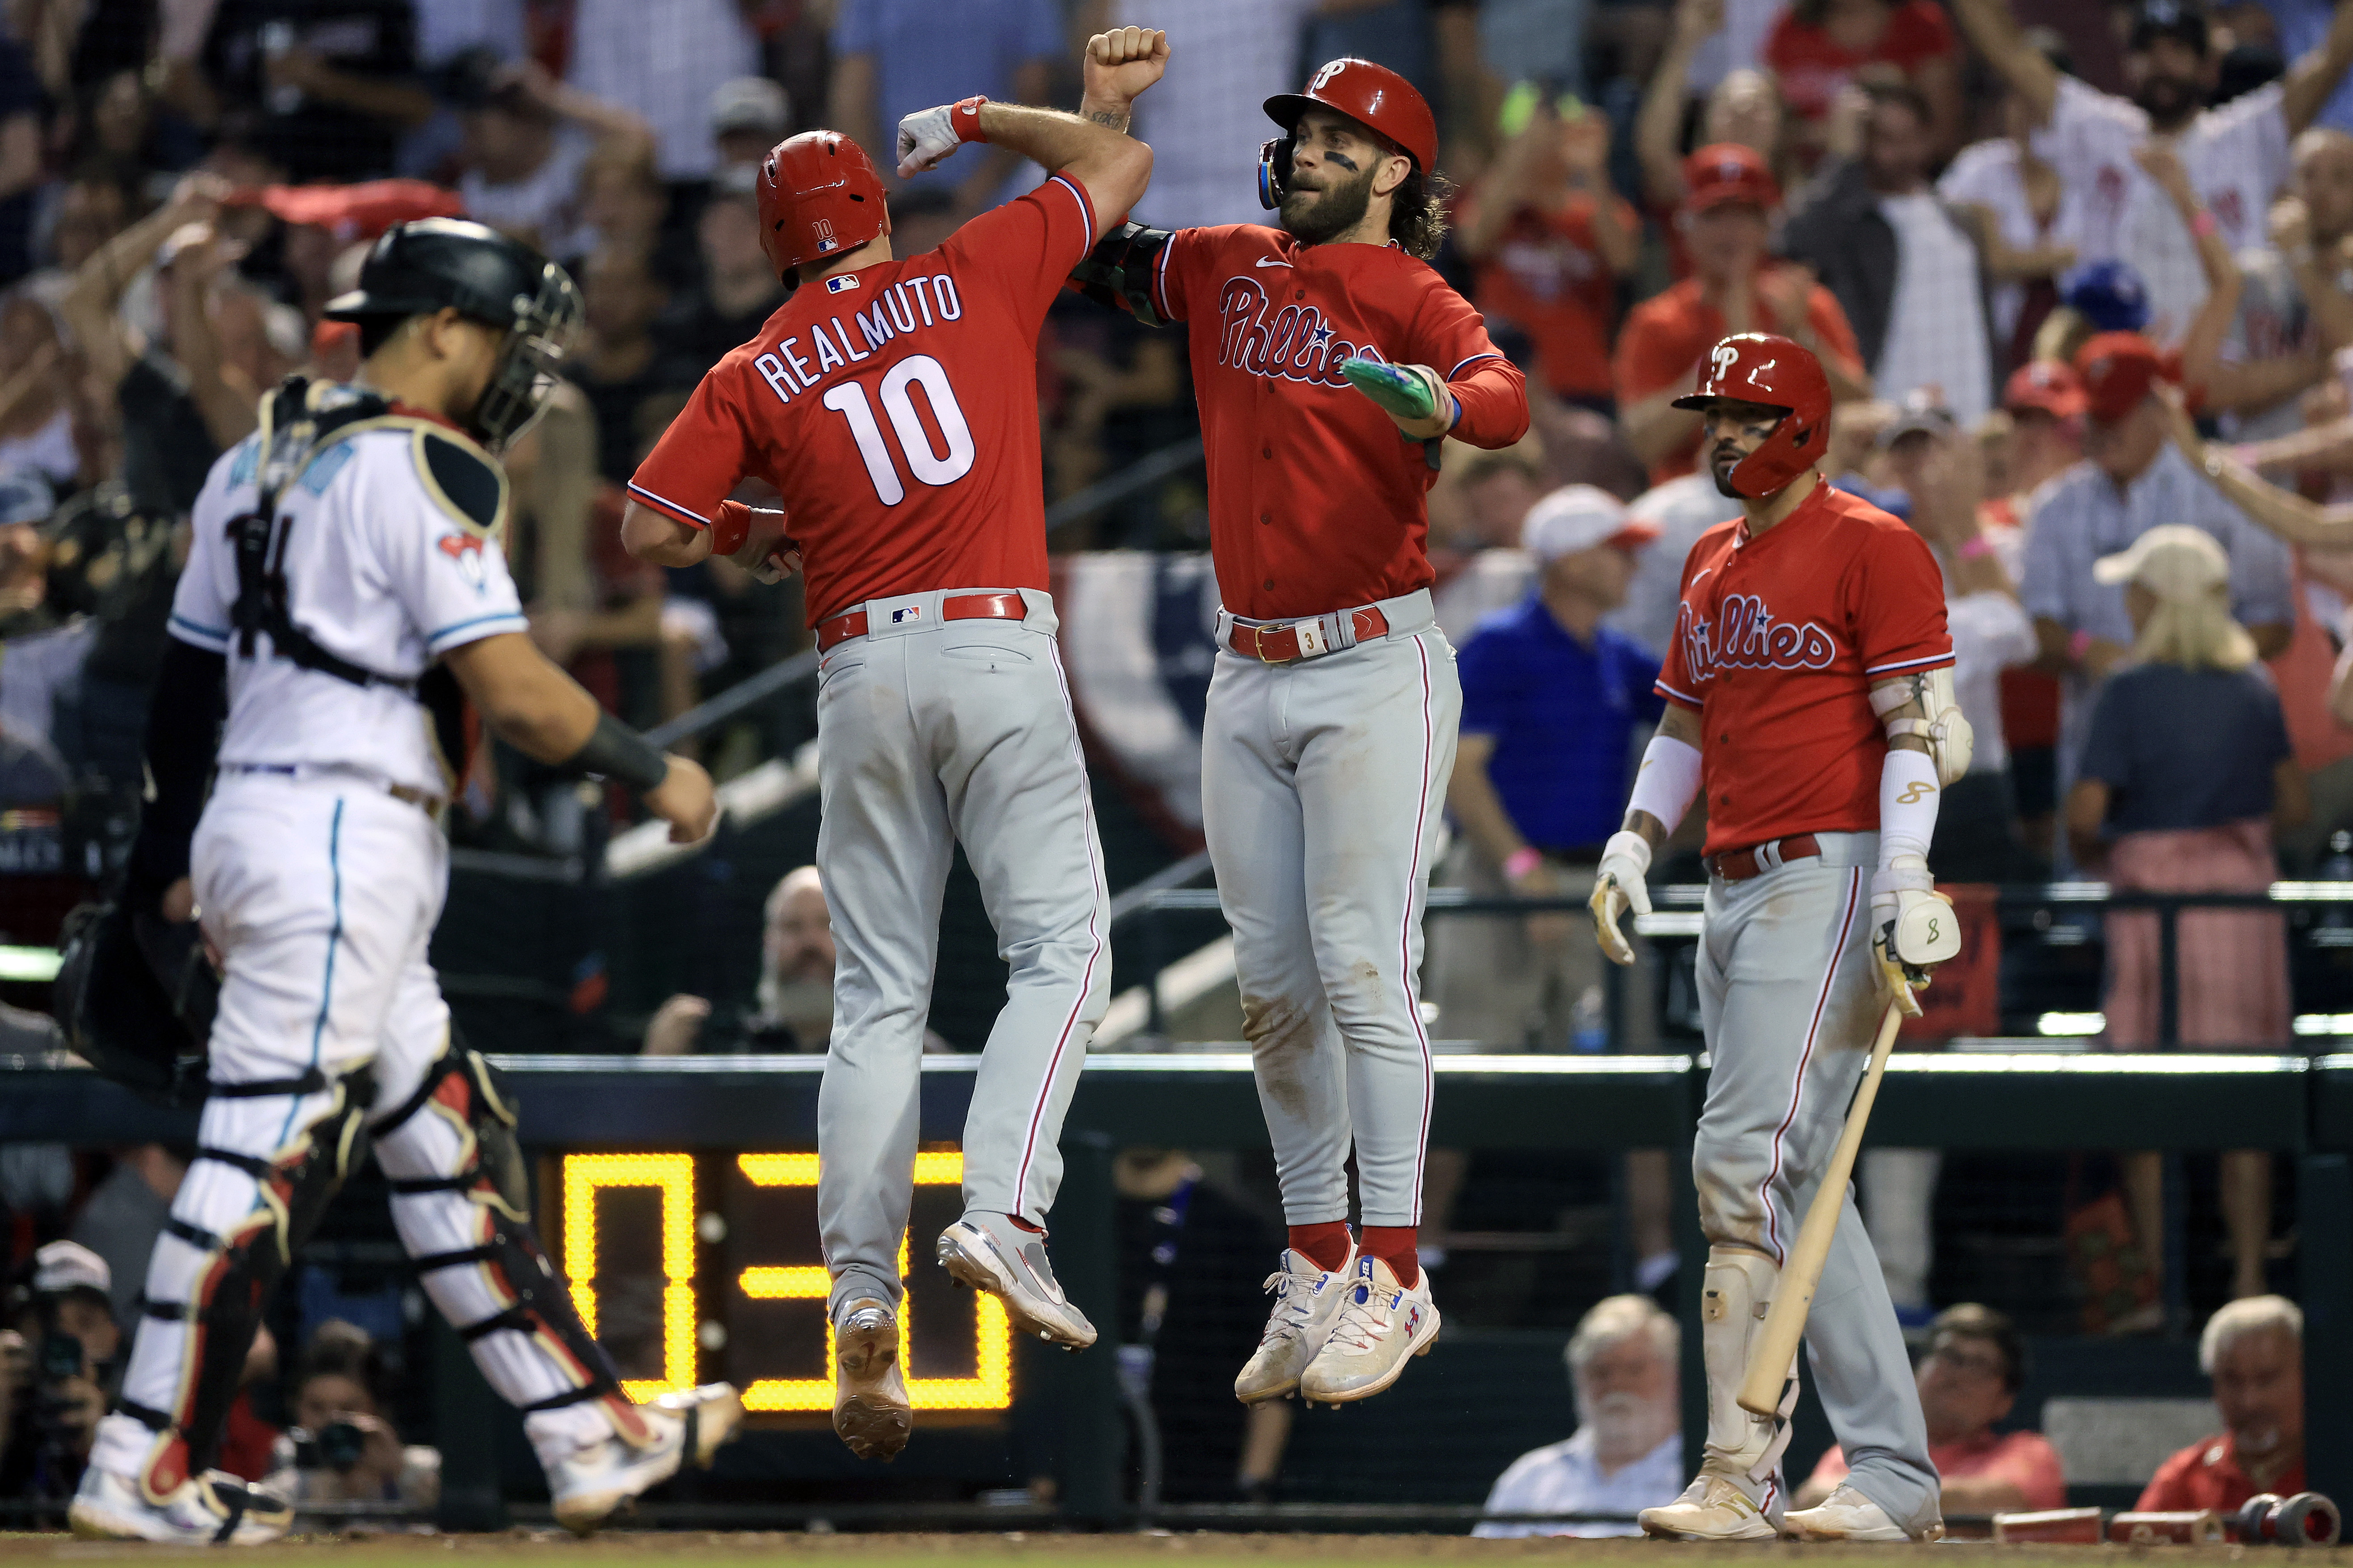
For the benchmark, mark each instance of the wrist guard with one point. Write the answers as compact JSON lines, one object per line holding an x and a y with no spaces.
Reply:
{"x":613,"y":751}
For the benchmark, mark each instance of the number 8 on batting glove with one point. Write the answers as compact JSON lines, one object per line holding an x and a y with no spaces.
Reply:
{"x":1618,"y":886}
{"x":1912,"y":930}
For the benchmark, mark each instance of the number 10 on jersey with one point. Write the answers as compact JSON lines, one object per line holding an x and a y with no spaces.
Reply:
{"x":928,"y":466}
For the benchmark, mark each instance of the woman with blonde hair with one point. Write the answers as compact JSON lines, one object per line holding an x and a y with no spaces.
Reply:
{"x":2185,"y":772}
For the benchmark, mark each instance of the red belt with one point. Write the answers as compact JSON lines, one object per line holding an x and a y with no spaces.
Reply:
{"x":1739,"y":865}
{"x":956,"y":607}
{"x":1281,"y":644}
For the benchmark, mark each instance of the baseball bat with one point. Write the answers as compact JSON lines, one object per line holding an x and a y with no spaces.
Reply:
{"x":1785,"y":1321}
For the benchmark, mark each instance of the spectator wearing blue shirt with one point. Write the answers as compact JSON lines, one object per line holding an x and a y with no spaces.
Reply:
{"x":1551,"y":702}
{"x":896,"y":58}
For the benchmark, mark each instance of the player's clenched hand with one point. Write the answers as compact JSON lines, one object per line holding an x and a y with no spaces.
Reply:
{"x":1618,"y":884}
{"x":1122,"y":62}
{"x":925,"y":140}
{"x":685,"y":800}
{"x":1912,"y":930}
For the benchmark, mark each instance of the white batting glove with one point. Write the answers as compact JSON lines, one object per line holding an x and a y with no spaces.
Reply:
{"x":925,"y":140}
{"x":1912,"y":930}
{"x":1618,"y":886}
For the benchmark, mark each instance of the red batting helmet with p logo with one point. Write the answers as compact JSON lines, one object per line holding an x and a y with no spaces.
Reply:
{"x":1767,"y":369}
{"x":819,"y":198}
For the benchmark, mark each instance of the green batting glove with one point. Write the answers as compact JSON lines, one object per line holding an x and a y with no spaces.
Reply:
{"x":1405,"y":392}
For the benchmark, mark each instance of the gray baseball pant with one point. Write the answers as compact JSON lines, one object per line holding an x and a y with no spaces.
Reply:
{"x":1790,"y":1006}
{"x":933,"y":733}
{"x":1321,"y":781}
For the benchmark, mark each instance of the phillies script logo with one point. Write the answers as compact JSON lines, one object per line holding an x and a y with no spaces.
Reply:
{"x":1745,"y":636}
{"x":1291,"y":341}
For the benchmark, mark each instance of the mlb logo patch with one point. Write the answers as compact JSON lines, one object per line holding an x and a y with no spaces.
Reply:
{"x":912,"y":613}
{"x":836,"y":285}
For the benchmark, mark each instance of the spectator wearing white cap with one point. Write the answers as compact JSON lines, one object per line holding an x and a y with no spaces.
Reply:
{"x":2184,"y":772}
{"x":57,"y":1356}
{"x":749,"y":115}
{"x":1551,"y":699}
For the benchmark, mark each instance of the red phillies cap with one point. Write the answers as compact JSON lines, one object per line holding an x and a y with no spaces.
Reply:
{"x":2045,"y":385}
{"x":1728,"y":172}
{"x":2118,"y":369}
{"x":354,"y":211}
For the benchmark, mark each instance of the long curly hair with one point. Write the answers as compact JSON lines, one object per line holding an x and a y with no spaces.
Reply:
{"x":1417,"y":214}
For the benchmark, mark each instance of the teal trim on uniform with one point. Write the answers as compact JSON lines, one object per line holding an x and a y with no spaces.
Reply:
{"x":325,"y":466}
{"x":218,"y":634}
{"x":335,"y":936}
{"x":433,"y":639}
{"x":249,"y":458}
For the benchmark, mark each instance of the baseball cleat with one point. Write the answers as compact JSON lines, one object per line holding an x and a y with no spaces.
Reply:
{"x":989,"y":1252}
{"x":683,"y":1429}
{"x":1711,"y":1509}
{"x":1847,"y":1515}
{"x":214,"y":1508}
{"x":1306,"y":1303}
{"x":871,"y":1414}
{"x":1379,"y":1326}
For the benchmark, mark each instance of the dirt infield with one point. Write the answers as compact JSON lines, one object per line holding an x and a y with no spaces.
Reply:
{"x":733,"y":1549}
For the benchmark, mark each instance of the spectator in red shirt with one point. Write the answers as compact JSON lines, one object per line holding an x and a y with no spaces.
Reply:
{"x":1967,"y":1381}
{"x":2254,"y":1350}
{"x":1549,"y":240}
{"x":1735,"y":286}
{"x":1819,"y":47}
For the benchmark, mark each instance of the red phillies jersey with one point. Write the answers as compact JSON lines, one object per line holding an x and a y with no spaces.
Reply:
{"x":1812,"y":68}
{"x":1316,"y":499}
{"x":2207,"y":1475}
{"x":1545,"y":274}
{"x":1779,"y":641}
{"x":895,"y":409}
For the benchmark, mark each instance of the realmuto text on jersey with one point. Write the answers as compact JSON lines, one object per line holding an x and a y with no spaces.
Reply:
{"x":909,"y":305}
{"x":1745,"y":636}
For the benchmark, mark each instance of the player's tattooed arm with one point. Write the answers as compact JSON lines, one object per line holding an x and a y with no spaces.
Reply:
{"x":1119,"y":65}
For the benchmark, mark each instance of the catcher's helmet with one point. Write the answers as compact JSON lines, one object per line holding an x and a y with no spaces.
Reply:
{"x":1372,"y":95}
{"x":819,"y":197}
{"x":439,"y":263}
{"x":1761,"y":367}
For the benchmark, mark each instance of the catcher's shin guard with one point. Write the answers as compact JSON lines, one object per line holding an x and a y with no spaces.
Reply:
{"x":202,"y":1318}
{"x":462,"y":1202}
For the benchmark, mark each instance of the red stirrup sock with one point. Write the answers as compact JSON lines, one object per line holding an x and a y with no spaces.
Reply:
{"x":1326,"y":1246}
{"x":1394,"y":1244}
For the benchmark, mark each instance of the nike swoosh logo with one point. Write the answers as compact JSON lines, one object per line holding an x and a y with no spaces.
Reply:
{"x":1269,"y":261}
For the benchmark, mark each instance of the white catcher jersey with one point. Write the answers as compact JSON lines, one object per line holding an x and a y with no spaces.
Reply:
{"x":386,"y":567}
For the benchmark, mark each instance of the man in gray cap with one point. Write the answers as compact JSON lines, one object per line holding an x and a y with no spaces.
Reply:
{"x":749,"y":114}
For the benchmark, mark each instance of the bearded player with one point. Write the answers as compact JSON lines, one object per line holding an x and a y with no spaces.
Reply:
{"x":894,"y":403}
{"x":1810,"y":692}
{"x":1330,"y":363}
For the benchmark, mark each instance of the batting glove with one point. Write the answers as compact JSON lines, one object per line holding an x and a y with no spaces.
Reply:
{"x":925,"y":139}
{"x":1412,"y":394}
{"x":1618,"y":886}
{"x":1912,"y":930}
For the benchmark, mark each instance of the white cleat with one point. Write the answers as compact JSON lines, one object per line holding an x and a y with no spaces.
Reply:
{"x":1711,"y":1509}
{"x":1847,"y":1515}
{"x":1379,"y":1327}
{"x":1306,"y":1303}
{"x":989,"y":1252}
{"x":649,"y":1444}
{"x":211,"y":1509}
{"x":871,"y":1413}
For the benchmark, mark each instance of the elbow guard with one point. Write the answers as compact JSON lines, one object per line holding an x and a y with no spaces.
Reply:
{"x":1951,"y":742}
{"x":1118,"y":272}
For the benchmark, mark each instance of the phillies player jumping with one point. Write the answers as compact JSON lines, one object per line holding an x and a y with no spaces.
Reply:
{"x":1810,"y":692}
{"x":1329,"y":362}
{"x":893,"y":403}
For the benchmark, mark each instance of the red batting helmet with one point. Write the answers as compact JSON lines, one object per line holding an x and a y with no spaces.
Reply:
{"x":819,"y":197}
{"x":1373,"y":96}
{"x":1759,"y":367}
